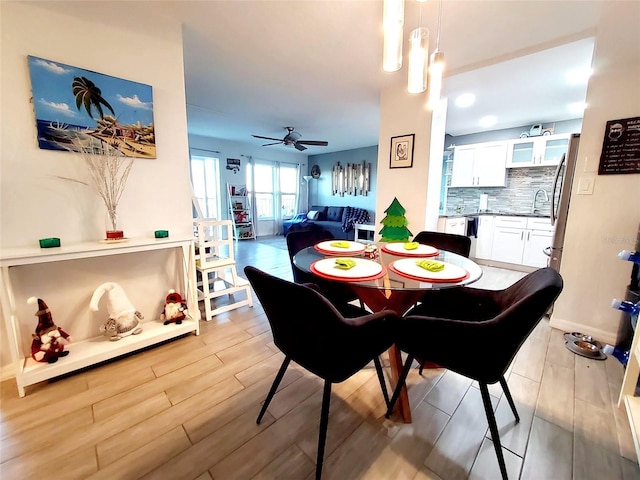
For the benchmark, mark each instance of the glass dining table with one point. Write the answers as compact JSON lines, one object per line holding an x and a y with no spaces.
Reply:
{"x":391,"y":276}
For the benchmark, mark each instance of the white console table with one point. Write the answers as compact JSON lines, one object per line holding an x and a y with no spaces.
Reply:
{"x":96,"y":349}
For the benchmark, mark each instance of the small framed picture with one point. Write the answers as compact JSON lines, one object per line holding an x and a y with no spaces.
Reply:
{"x":401,"y":151}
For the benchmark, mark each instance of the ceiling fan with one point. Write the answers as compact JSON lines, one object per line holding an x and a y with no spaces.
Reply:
{"x":293,"y":138}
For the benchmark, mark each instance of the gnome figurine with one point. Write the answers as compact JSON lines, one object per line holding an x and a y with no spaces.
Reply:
{"x":175,"y":309}
{"x":124,"y":319}
{"x":49,"y":340}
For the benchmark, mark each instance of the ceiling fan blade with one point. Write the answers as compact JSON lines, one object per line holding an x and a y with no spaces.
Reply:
{"x":267,"y":138}
{"x":275,"y":143}
{"x":319,"y":143}
{"x":299,"y":147}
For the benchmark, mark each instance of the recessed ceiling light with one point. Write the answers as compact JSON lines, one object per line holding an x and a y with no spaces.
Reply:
{"x":577,"y":107}
{"x":578,"y":76}
{"x":465,"y":100}
{"x":488,"y":121}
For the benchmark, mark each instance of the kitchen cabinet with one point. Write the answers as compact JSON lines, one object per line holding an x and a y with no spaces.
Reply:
{"x":479,"y":165}
{"x":485,"y":236}
{"x":457,"y":226}
{"x":521,"y":240}
{"x":541,"y":151}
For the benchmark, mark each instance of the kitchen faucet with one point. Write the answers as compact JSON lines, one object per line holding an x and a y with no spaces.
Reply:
{"x":535,"y":197}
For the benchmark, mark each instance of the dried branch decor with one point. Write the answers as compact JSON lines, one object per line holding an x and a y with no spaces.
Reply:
{"x":109,"y":170}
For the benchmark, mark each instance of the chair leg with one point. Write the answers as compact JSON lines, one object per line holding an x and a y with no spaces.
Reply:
{"x":274,"y":387}
{"x":324,"y":423}
{"x":493,"y":427}
{"x":507,"y":393}
{"x":399,"y":385}
{"x":383,"y":384}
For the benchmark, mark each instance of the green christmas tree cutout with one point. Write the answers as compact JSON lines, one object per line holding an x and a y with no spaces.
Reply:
{"x":395,"y":224}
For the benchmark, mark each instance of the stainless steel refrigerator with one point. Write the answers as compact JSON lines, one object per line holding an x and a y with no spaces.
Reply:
{"x":560,"y":198}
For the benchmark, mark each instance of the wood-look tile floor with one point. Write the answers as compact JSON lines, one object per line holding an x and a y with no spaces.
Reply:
{"x":187,"y":409}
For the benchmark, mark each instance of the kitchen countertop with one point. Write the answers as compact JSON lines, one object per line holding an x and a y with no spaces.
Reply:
{"x":502,"y":214}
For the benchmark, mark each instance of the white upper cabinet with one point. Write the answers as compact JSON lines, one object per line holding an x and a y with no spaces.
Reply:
{"x":479,"y":165}
{"x":541,"y":151}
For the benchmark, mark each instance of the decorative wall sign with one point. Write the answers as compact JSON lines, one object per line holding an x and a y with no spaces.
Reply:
{"x":91,"y":108}
{"x":233,"y":164}
{"x":353,"y":179}
{"x":621,"y":147}
{"x":401,"y":151}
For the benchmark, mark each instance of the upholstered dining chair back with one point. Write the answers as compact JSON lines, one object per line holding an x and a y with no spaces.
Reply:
{"x":459,"y":244}
{"x":297,"y":240}
{"x":489,"y":326}
{"x":309,"y":330}
{"x":339,"y":294}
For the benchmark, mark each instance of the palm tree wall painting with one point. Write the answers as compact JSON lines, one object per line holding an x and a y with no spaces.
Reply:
{"x":76,"y":105}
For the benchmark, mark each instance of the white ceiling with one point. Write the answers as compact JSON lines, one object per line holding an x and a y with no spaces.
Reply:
{"x":255,"y":67}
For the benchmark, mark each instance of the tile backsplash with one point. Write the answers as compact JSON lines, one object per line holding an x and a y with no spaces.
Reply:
{"x":515,"y":197}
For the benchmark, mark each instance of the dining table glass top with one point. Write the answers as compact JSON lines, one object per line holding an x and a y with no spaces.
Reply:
{"x":390,"y":267}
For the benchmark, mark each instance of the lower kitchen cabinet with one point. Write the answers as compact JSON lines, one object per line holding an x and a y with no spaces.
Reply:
{"x":485,"y":237}
{"x":457,"y":226}
{"x":521,"y":240}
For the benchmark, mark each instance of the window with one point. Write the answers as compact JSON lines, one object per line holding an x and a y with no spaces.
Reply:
{"x":288,"y":190}
{"x":276,"y":187}
{"x":205,"y":178}
{"x":264,"y":190}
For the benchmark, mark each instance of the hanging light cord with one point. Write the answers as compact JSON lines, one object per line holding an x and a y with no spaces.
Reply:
{"x":439,"y":19}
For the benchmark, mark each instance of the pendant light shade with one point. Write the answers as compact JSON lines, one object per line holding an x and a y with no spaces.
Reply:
{"x":418,"y":56}
{"x":392,"y":25}
{"x":435,"y":77}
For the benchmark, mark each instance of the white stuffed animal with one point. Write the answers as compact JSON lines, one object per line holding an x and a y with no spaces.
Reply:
{"x":124,"y":319}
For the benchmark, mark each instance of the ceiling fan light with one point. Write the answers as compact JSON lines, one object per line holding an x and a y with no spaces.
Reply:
{"x":418,"y":56}
{"x":392,"y":25}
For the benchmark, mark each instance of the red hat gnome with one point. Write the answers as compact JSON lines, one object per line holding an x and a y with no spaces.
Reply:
{"x":49,"y":340}
{"x":175,"y":309}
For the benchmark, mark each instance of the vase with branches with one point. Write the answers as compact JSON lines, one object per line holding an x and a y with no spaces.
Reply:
{"x":109,"y":170}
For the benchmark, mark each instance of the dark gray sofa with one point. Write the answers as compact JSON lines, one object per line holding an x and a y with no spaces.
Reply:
{"x":338,"y":219}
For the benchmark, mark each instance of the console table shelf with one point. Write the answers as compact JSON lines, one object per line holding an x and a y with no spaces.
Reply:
{"x":90,"y":351}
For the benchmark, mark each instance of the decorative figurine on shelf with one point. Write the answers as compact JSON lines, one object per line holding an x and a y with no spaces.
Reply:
{"x":124,"y":319}
{"x":49,"y":340}
{"x":395,"y":224}
{"x":175,"y":309}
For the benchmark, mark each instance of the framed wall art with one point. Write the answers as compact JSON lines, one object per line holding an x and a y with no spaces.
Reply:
{"x":77,"y":108}
{"x":401,"y":151}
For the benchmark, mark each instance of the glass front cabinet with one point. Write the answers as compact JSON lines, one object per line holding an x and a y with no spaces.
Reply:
{"x":541,"y":151}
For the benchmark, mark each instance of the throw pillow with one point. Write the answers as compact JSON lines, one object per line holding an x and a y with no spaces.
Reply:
{"x":312,"y":215}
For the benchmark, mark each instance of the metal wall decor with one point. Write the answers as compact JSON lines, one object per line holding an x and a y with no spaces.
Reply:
{"x":352,"y":179}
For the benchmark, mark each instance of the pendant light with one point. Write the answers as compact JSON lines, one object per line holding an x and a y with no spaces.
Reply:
{"x":436,"y":68}
{"x":392,"y":24}
{"x":418,"y":58}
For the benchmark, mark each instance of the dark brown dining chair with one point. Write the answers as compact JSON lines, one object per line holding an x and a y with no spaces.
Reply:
{"x":309,"y":330}
{"x":477,"y":333}
{"x":451,"y":242}
{"x":338,"y":293}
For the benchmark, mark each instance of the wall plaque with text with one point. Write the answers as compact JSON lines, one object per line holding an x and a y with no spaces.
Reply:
{"x":621,"y":147}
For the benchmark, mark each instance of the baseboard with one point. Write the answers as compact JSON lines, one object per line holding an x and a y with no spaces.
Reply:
{"x":7,"y":372}
{"x":602,"y":336}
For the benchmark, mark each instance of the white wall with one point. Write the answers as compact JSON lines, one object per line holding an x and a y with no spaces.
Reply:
{"x":602,"y":224}
{"x":402,"y":114}
{"x":35,"y":204}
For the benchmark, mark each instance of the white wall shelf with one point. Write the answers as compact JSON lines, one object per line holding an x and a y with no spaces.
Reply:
{"x":90,"y":351}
